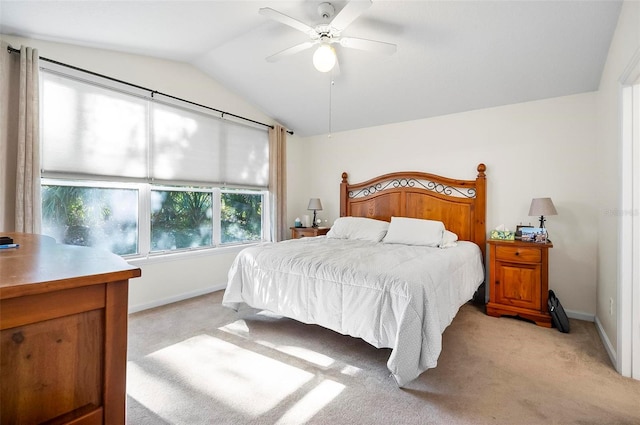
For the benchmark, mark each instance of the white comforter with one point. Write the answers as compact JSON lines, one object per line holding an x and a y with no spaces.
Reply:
{"x":391,"y":295}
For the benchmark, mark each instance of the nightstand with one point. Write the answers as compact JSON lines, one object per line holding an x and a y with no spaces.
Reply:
{"x":305,"y":232}
{"x":519,"y":280}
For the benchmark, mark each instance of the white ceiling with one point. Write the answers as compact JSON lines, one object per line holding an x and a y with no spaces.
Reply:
{"x":452,"y":56}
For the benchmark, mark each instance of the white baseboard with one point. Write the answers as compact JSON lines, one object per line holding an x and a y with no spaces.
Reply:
{"x":176,"y":298}
{"x":580,"y":315}
{"x":611,"y":351}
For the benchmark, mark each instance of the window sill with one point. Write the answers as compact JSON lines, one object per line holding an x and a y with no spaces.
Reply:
{"x":164,"y":257}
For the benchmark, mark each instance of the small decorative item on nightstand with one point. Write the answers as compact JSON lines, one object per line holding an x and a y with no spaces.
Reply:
{"x":534,"y":234}
{"x":519,"y":227}
{"x":503,"y":235}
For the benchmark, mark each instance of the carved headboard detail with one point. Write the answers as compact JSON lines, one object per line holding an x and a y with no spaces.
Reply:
{"x":459,"y":204}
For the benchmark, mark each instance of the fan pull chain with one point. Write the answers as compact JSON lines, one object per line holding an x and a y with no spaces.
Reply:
{"x":331,"y":83}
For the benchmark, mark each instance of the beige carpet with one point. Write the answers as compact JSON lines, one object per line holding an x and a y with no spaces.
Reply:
{"x":196,"y":362}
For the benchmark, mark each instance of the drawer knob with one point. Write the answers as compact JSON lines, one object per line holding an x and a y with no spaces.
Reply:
{"x":17,"y":337}
{"x":517,"y":253}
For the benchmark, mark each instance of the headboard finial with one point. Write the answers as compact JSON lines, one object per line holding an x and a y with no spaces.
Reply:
{"x":344,"y":177}
{"x":481,"y":169}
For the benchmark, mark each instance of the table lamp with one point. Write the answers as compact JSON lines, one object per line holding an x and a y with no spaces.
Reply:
{"x":542,"y":207}
{"x":315,"y":205}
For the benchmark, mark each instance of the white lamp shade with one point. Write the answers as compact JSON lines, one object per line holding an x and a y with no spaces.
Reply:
{"x":315,"y":204}
{"x":542,"y":206}
{"x":324,"y":59}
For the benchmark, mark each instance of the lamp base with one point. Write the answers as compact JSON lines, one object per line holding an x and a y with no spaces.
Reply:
{"x":315,"y":222}
{"x":542,"y":220}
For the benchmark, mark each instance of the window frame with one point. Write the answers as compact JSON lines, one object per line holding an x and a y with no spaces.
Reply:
{"x":144,"y":212}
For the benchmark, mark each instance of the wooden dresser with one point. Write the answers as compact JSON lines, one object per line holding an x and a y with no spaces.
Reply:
{"x":519,"y":280}
{"x":63,"y":333}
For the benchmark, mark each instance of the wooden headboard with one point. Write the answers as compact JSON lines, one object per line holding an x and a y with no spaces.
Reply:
{"x":459,"y":204}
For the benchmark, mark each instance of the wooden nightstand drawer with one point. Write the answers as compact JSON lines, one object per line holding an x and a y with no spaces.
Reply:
{"x":518,"y":253}
{"x":307,"y":232}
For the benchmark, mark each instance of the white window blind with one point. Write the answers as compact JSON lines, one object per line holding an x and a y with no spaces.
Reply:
{"x":184,"y":145}
{"x":193,"y":147}
{"x":245,"y":155}
{"x":96,"y":131}
{"x":91,"y":130}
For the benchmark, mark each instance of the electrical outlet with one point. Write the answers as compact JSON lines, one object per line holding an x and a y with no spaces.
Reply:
{"x":610,"y":306}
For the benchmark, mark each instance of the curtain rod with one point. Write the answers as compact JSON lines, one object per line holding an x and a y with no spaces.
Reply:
{"x":14,"y":50}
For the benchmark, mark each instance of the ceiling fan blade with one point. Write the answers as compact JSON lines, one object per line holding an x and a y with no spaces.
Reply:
{"x":287,"y":20}
{"x":349,"y":13}
{"x":368,"y":45}
{"x":290,"y":51}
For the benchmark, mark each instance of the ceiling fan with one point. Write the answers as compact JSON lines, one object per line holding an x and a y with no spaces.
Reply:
{"x":327,"y":34}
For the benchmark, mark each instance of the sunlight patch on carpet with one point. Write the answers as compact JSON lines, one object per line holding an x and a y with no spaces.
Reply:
{"x":312,"y":403}
{"x":240,"y":328}
{"x":351,"y":370}
{"x":204,"y":368}
{"x":302,"y":353}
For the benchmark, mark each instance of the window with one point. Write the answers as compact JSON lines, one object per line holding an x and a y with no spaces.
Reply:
{"x":137,"y":175}
{"x":180,"y":219}
{"x":104,"y":217}
{"x":241,"y":218}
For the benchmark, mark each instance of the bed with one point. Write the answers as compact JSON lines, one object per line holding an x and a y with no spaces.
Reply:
{"x":406,"y":253}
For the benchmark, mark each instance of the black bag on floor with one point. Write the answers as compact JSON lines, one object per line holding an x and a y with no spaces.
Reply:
{"x":558,"y":316}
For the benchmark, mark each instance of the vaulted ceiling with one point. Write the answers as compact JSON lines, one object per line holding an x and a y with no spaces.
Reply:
{"x":452,"y":56}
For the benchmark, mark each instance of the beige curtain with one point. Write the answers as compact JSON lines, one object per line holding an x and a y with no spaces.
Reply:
{"x":20,"y":152}
{"x":278,"y":181}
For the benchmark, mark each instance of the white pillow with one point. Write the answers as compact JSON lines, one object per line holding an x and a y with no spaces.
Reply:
{"x":359,"y":228}
{"x":448,"y":239}
{"x":414,"y":231}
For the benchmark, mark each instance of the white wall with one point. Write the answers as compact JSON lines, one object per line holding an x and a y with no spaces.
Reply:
{"x":536,"y":149}
{"x":182,"y":276}
{"x":626,"y":42}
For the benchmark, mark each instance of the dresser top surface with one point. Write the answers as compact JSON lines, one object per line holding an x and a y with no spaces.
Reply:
{"x":40,"y":264}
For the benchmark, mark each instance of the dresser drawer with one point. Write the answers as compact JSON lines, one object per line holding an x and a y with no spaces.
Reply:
{"x":518,"y":253}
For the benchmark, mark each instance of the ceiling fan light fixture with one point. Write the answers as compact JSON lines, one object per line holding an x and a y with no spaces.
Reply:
{"x":324,"y":59}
